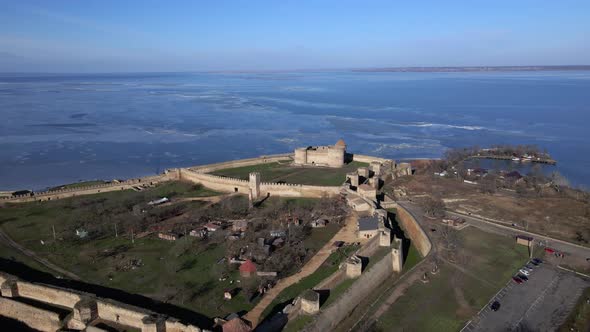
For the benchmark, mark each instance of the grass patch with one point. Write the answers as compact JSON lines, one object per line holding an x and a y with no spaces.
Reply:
{"x":325,"y":270}
{"x":298,"y":323}
{"x":452,"y":296}
{"x":280,"y":172}
{"x":579,"y":319}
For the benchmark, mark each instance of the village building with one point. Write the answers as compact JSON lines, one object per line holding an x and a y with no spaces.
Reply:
{"x":247,"y":269}
{"x":200,"y":233}
{"x":81,"y":233}
{"x":159,"y":201}
{"x":524,"y":240}
{"x":168,"y":236}
{"x":278,"y":233}
{"x":240,"y":225}
{"x":211,"y":227}
{"x":367,"y":191}
{"x":318,"y":223}
{"x":368,"y":227}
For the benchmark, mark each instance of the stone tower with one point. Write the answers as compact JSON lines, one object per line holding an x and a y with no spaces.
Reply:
{"x":397,"y":254}
{"x":254,"y":185}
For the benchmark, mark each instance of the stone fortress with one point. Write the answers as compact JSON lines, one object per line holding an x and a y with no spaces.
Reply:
{"x":328,"y":156}
{"x":360,"y":189}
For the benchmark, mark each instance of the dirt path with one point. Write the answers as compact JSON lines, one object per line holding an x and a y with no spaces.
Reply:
{"x":346,"y":234}
{"x":6,"y":239}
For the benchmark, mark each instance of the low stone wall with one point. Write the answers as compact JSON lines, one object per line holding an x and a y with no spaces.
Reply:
{"x":329,"y":317}
{"x":298,"y":190}
{"x":242,"y":162}
{"x":413,"y":230}
{"x":115,"y":312}
{"x":39,"y":319}
{"x":89,"y":190}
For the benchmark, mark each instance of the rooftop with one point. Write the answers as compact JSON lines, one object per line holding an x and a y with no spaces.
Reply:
{"x":368,"y":223}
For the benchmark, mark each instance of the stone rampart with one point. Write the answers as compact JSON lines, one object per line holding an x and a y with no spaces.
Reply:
{"x":413,"y":230}
{"x":368,"y":159}
{"x":53,"y":295}
{"x":298,"y":190}
{"x":242,"y":162}
{"x":79,"y":302}
{"x":215,"y":182}
{"x":37,"y":318}
{"x":346,"y":302}
{"x":88,"y":190}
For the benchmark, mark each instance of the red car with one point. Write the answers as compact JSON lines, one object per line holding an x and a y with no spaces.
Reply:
{"x":517,"y":280}
{"x":549,"y":250}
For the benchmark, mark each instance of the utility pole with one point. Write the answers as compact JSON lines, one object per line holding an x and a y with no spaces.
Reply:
{"x":132,"y":239}
{"x":116,"y":233}
{"x":53,"y":228}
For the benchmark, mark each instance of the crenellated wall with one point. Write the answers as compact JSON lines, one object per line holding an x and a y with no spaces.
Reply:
{"x":215,"y":182}
{"x":243,"y":162}
{"x":414,"y":231}
{"x":37,"y":318}
{"x":105,"y":309}
{"x":89,"y":190}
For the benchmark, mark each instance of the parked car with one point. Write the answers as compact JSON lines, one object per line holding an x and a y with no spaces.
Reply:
{"x":517,"y":280}
{"x":495,"y":306}
{"x":523,"y":277}
{"x":537,"y":260}
{"x":524,"y":271}
{"x":534,"y":263}
{"x":529,"y":267}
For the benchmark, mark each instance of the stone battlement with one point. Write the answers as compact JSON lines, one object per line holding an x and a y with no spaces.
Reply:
{"x":85,"y":309}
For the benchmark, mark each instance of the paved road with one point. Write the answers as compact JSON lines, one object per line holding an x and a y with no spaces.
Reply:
{"x":541,"y":304}
{"x":560,"y":245}
{"x":61,"y":272}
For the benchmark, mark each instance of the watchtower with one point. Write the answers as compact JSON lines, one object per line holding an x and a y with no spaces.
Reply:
{"x":254,"y":184}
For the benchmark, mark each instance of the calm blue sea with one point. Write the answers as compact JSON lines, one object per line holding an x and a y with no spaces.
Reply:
{"x":57,"y":129}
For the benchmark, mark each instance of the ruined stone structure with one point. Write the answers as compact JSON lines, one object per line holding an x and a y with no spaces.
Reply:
{"x":328,"y":156}
{"x":254,"y":185}
{"x":49,"y":308}
{"x":310,"y":302}
{"x":354,"y":266}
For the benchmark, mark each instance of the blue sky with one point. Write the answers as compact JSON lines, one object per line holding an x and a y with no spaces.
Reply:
{"x":114,"y":36}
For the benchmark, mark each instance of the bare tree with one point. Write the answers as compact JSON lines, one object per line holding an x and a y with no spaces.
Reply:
{"x":434,"y":207}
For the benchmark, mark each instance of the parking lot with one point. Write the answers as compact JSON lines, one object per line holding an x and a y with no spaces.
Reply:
{"x":541,"y":304}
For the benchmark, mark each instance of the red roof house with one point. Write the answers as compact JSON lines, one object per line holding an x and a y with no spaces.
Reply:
{"x":247,"y":268}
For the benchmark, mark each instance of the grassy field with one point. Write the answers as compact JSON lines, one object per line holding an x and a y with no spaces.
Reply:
{"x":579,"y":319}
{"x":456,"y":293}
{"x":276,"y":172}
{"x":184,"y":272}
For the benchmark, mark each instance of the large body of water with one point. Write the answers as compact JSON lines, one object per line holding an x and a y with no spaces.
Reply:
{"x":57,"y":129}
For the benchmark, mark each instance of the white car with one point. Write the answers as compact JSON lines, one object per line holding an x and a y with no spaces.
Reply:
{"x":524,"y":271}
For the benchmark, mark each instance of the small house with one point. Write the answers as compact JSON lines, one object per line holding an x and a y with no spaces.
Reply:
{"x":159,"y":201}
{"x":278,"y":233}
{"x":81,"y":233}
{"x":318,"y":223}
{"x":524,"y":240}
{"x":211,"y":227}
{"x":368,"y":227}
{"x":240,"y":226}
{"x":200,"y":233}
{"x":247,"y":269}
{"x":168,"y":236}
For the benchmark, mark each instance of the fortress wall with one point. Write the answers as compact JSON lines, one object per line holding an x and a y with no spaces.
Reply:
{"x":215,"y":182}
{"x":242,"y":162}
{"x":175,"y":326}
{"x":39,"y":319}
{"x":367,"y":159}
{"x":121,"y":314}
{"x":413,"y":230}
{"x":57,"y":296}
{"x":297,"y":190}
{"x":329,"y":317}
{"x":89,"y":190}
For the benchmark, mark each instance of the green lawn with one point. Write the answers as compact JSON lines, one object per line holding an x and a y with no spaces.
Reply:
{"x":278,"y":172}
{"x":452,"y":296}
{"x":183,"y":272}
